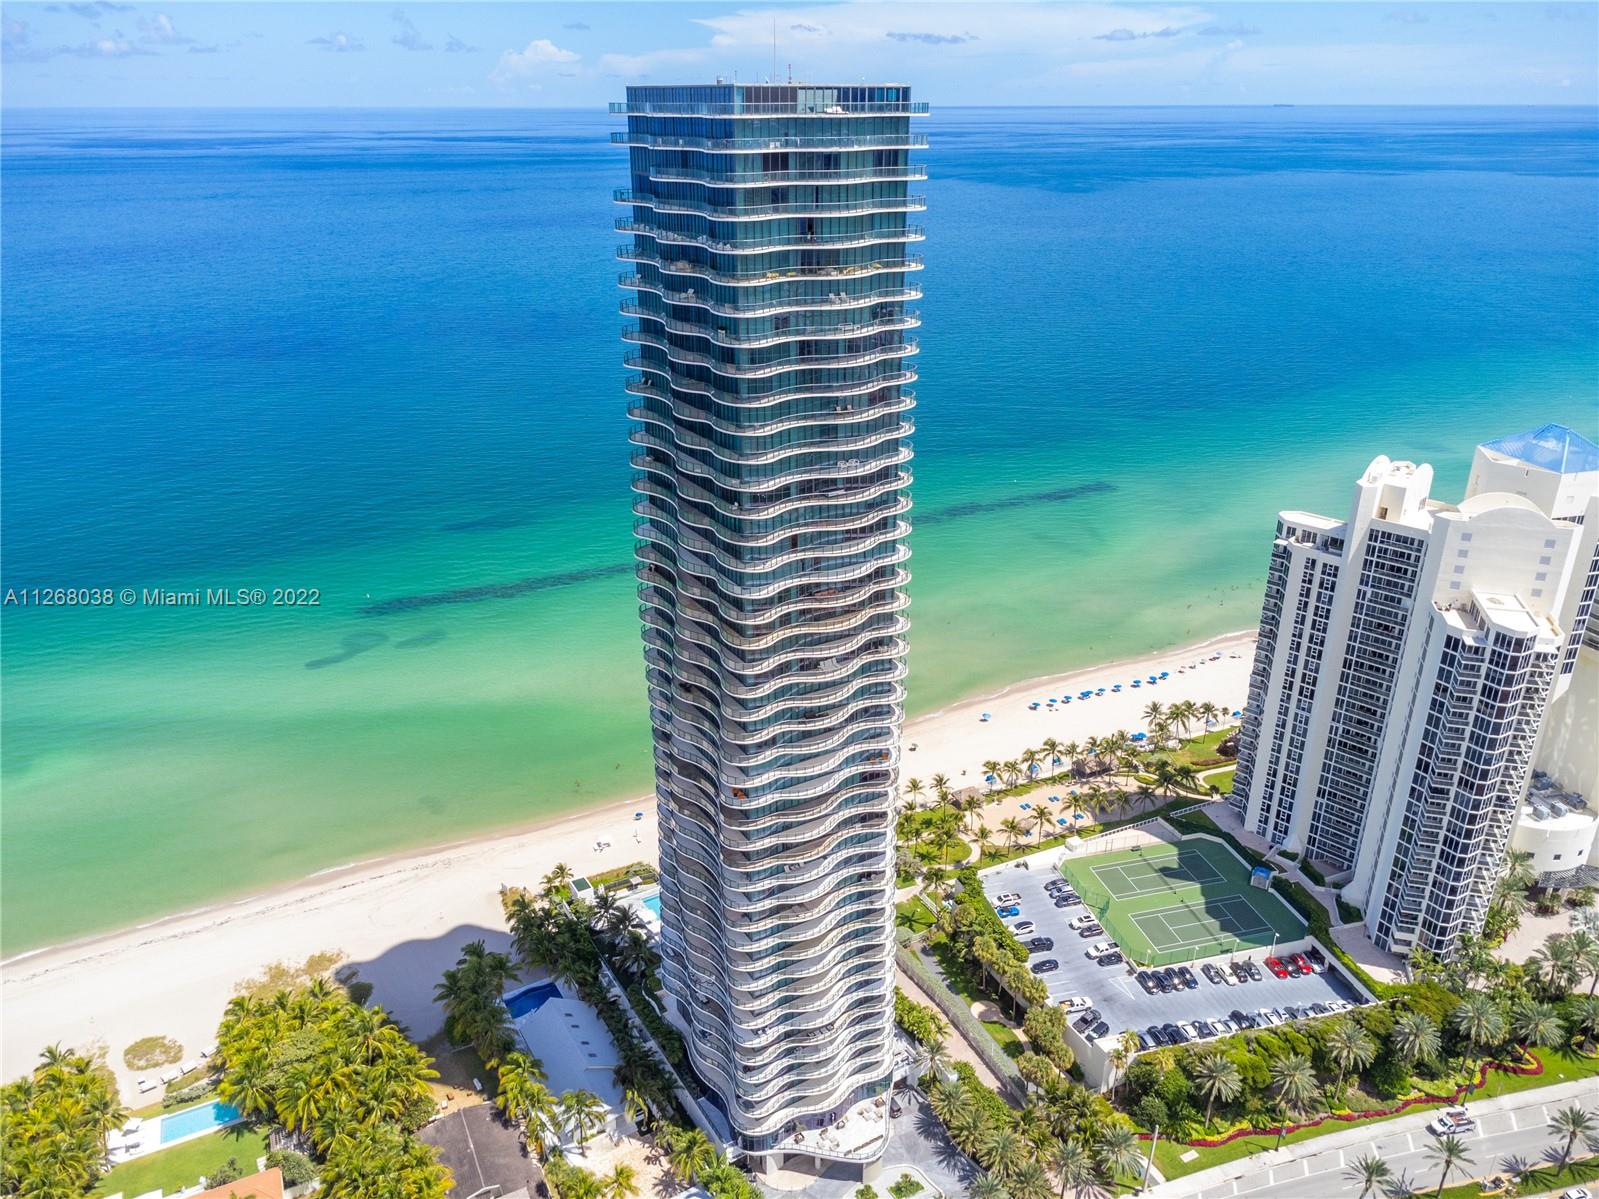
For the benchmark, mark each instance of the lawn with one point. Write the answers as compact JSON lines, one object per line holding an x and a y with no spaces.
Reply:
{"x":1559,"y":1066}
{"x":913,"y":917}
{"x":1169,"y":903}
{"x":958,"y":977}
{"x":1222,"y":780}
{"x":184,"y":1165}
{"x":1535,"y":1182}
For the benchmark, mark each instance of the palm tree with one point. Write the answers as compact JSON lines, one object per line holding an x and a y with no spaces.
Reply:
{"x":986,"y":1186}
{"x":1074,"y":1167}
{"x":1447,"y":1153}
{"x":1349,"y":1048}
{"x":620,"y":1183}
{"x":1414,"y":1037}
{"x":1029,"y":1182}
{"x":558,"y":877}
{"x":914,"y":790}
{"x":1030,"y":759}
{"x":1056,"y":752}
{"x":946,"y":1098}
{"x":1045,"y":819}
{"x":1372,"y":1173}
{"x":1153,"y":712}
{"x":1003,"y":1152}
{"x":1571,"y":1122}
{"x":1479,"y":1020}
{"x":1217,"y":1077}
{"x":1119,"y":1152}
{"x":1585,"y":953}
{"x":1583,"y":1012}
{"x":970,"y":1127}
{"x":991,"y":772}
{"x":1013,"y":830}
{"x":985,"y":840}
{"x":582,"y":1114}
{"x":1537,"y":1024}
{"x":1295,"y":1082}
{"x":688,"y":1154}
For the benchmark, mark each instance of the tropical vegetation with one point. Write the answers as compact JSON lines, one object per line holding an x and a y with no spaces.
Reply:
{"x":53,"y":1140}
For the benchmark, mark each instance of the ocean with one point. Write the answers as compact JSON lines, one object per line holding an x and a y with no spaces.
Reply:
{"x":375,"y":355}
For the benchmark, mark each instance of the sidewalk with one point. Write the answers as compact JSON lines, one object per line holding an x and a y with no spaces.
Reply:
{"x":1328,"y":1148}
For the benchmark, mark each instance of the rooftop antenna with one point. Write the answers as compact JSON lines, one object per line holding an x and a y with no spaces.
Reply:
{"x":774,"y":49}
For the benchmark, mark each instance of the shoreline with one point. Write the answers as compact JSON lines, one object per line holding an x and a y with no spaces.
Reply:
{"x":401,"y":918}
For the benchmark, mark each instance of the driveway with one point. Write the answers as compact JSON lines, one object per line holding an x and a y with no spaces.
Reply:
{"x":1115,"y":990}
{"x":1514,"y":1125}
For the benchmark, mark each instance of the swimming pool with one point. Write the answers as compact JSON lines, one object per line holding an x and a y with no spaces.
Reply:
{"x":197,"y":1119}
{"x":531,"y":999}
{"x":653,"y":902}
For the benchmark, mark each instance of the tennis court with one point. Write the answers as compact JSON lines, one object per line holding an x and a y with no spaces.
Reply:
{"x":1177,"y":902}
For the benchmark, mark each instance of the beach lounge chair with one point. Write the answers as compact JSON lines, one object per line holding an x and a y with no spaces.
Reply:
{"x":189,"y":1067}
{"x":147,"y":1084}
{"x":133,"y":1125}
{"x":171,"y":1075}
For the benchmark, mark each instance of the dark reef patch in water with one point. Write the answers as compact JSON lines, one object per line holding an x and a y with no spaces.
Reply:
{"x":1056,"y":495}
{"x":486,"y":591}
{"x":352,"y":644}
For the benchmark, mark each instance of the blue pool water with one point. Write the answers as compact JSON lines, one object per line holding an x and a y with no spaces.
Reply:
{"x":653,"y":902}
{"x":197,"y":1119}
{"x":531,"y":999}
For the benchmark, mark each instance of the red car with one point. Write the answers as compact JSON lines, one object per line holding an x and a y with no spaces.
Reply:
{"x":1303,"y":963}
{"x":1276,"y":966}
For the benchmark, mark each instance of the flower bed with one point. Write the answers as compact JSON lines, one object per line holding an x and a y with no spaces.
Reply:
{"x":1533,"y":1066}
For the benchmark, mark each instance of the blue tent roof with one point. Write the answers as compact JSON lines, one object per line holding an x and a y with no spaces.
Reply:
{"x":1552,"y":447}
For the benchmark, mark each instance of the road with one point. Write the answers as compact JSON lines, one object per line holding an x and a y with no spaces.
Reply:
{"x":1515,"y":1125}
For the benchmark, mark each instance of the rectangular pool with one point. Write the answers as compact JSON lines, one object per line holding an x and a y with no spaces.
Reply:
{"x":197,"y":1119}
{"x":653,"y":902}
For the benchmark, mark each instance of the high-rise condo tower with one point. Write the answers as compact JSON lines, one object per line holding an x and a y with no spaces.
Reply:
{"x":770,"y":272}
{"x":1407,"y":659}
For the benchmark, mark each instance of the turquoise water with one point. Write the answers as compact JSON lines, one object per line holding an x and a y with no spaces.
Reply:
{"x":376,"y":354}
{"x":197,"y":1119}
{"x":653,"y":902}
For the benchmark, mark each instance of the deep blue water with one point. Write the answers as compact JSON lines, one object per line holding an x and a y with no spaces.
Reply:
{"x":377,"y":353}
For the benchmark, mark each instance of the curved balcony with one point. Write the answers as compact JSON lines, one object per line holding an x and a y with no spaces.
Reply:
{"x":862,"y":733}
{"x":850,"y":206}
{"x":831,"y":497}
{"x":766,"y":370}
{"x":764,"y":399}
{"x":764,"y":305}
{"x":721,"y":337}
{"x":690,"y":464}
{"x":879,"y":668}
{"x":763,"y":145}
{"x":909,"y":172}
{"x":789,"y":108}
{"x":852,"y":240}
{"x":835,"y":414}
{"x":765,"y":277}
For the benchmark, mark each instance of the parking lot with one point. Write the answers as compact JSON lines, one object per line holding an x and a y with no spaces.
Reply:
{"x":1115,"y":991}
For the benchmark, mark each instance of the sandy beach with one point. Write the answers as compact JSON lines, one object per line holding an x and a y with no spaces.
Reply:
{"x":402,"y":920}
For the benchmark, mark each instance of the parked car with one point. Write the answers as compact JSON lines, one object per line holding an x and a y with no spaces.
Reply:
{"x":1156,"y":1035}
{"x":1320,"y":1009}
{"x":1340,"y":1005}
{"x":1161,"y":981}
{"x":1055,"y":884}
{"x":1175,"y":979}
{"x":1047,"y":966}
{"x":1241,"y":1019}
{"x":1007,"y":913}
{"x":1111,"y":959}
{"x":1091,"y":930}
{"x":1267,"y":1017}
{"x":1224,"y":1027}
{"x":1576,"y":1193}
{"x":1303,"y":963}
{"x":1254,"y":970}
{"x":1077,"y":1003}
{"x":1144,"y":1042}
{"x":1009,"y":897}
{"x":1189,"y":1031}
{"x":1187,"y":975}
{"x":1082,"y":921}
{"x":1240,"y":972}
{"x":1041,"y":944}
{"x":1063,"y":902}
{"x":1022,"y":927}
{"x":1209,"y":971}
{"x":1147,"y":981}
{"x":1098,"y":1031}
{"x":1275,"y":965}
{"x":1083,"y":1022}
{"x":1204,"y":1028}
{"x":1451,"y":1123}
{"x":1101,"y":948}
{"x":1174,"y":1035}
{"x":1317,"y":959}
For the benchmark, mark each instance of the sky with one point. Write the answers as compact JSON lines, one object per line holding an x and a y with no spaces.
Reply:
{"x":106,"y":53}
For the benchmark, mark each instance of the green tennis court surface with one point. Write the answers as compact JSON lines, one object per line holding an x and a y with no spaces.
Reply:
{"x":1175,"y":903}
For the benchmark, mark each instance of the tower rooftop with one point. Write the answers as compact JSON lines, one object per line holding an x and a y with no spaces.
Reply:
{"x":1552,"y":447}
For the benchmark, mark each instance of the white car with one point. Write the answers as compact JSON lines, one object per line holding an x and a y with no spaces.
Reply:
{"x":1077,"y":1003}
{"x":1104,"y":947}
{"x":1083,"y":921}
{"x":1022,"y":927}
{"x":1576,"y":1193}
{"x":1227,"y":977}
{"x":1189,"y":1031}
{"x":1009,"y":897}
{"x":1223,"y":1027}
{"x":1452,"y":1123}
{"x":1266,"y":1017}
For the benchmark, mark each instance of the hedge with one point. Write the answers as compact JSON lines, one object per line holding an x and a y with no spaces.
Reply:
{"x":1308,"y":906}
{"x":1198,"y":822}
{"x":1314,"y":875}
{"x":960,"y":1017}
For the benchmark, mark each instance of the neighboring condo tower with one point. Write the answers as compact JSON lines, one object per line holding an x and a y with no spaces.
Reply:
{"x":771,"y":274}
{"x":1407,"y":659}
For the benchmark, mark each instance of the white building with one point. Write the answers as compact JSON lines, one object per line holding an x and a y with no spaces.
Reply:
{"x":1406,"y":663}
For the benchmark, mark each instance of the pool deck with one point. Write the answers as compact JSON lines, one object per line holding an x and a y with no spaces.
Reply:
{"x":147,"y":1138}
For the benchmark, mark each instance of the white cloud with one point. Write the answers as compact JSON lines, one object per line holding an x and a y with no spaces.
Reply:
{"x":338,"y":42}
{"x":524,"y":66}
{"x":409,"y":37}
{"x":158,"y":30}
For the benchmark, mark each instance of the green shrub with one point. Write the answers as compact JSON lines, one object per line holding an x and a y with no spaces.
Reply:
{"x":1289,"y":854}
{"x":1314,"y":875}
{"x":1348,"y":913}
{"x":1388,"y":1076}
{"x":976,"y":1092}
{"x":189,"y":1094}
{"x":297,"y":1168}
{"x":905,"y":1187}
{"x":923,"y":1023}
{"x":228,"y":1171}
{"x":865,"y":1191}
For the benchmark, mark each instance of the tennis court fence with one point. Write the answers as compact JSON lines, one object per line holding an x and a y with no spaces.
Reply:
{"x":1191,"y":953}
